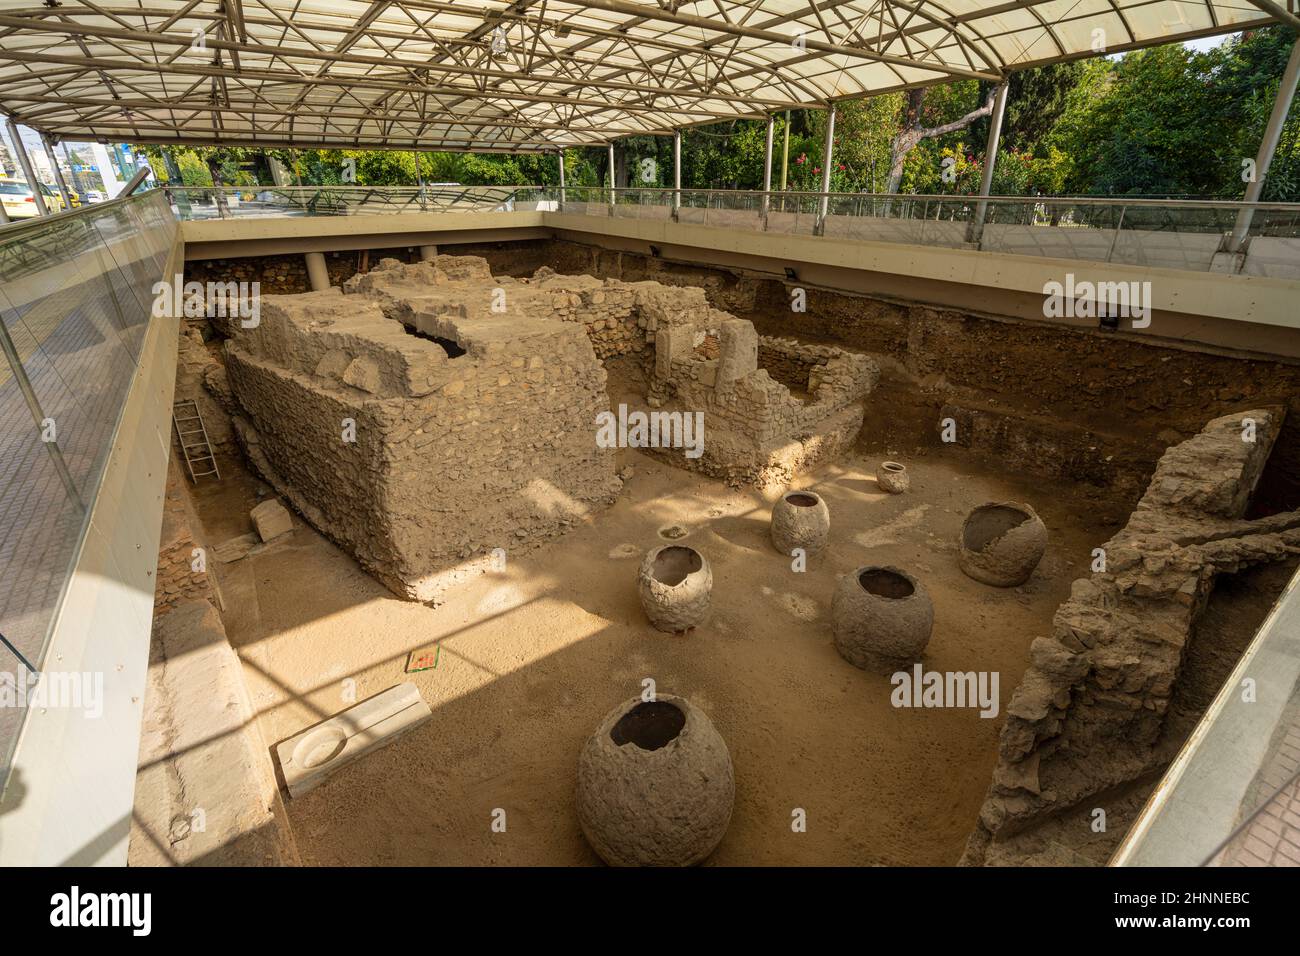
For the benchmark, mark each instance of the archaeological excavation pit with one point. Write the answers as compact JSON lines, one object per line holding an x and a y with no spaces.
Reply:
{"x":596,"y":434}
{"x":517,"y":524}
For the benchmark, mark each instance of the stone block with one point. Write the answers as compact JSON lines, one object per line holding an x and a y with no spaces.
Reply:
{"x":309,"y":757}
{"x":738,"y":350}
{"x":670,"y":344}
{"x":363,"y":373}
{"x":271,"y":519}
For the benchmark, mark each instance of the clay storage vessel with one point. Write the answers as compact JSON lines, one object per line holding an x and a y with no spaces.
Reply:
{"x":881,"y":618}
{"x":675,"y":582}
{"x":800,"y":520}
{"x":1001,"y":543}
{"x":655,"y":784}
{"x":893,"y":477}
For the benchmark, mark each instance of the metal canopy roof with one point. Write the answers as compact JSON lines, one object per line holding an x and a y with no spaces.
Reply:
{"x":490,"y":75}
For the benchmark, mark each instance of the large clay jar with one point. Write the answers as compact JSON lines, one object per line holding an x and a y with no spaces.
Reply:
{"x":1001,"y":543}
{"x":892,"y":477}
{"x":881,"y":618}
{"x":675,"y":582}
{"x":655,"y":784}
{"x":800,"y":520}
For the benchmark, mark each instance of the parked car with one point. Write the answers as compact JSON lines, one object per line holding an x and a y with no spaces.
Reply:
{"x":19,"y":204}
{"x":17,"y":199}
{"x":54,"y":199}
{"x":94,"y":195}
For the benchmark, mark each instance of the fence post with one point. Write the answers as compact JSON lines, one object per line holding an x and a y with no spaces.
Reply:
{"x":975,"y":232}
{"x":1119,"y":224}
{"x":38,"y":416}
{"x":828,"y":157}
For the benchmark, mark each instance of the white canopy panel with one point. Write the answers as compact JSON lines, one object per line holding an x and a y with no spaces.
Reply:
{"x":529,"y":74}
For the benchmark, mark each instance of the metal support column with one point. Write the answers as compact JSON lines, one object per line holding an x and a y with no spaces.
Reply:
{"x":180,"y":195}
{"x":976,"y":229}
{"x":677,"y":172}
{"x":318,"y":274}
{"x":611,"y":179}
{"x":767,"y":167}
{"x":419,"y":179}
{"x":828,"y":157}
{"x":560,"y":157}
{"x":58,"y":173}
{"x":1267,"y":147}
{"x":785,"y":153}
{"x":25,"y":161}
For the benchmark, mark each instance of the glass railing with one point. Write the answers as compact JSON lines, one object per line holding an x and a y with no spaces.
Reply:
{"x":773,"y":210}
{"x":1231,"y":796}
{"x":76,"y":294}
{"x":250,"y":202}
{"x":1190,"y":234}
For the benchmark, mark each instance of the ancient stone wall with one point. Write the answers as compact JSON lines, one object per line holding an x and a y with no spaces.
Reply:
{"x":1089,"y":713}
{"x":429,"y":413}
{"x":698,"y":359}
{"x":179,"y":578}
{"x":421,"y":443}
{"x":759,"y":432}
{"x":286,"y":273}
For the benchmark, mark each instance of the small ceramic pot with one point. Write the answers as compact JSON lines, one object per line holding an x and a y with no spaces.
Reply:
{"x":881,"y":618}
{"x":893,"y":478}
{"x":675,"y":584}
{"x":800,"y":520}
{"x":1001,"y":543}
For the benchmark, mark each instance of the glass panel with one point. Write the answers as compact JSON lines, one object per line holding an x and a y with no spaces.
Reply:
{"x":75,"y":298}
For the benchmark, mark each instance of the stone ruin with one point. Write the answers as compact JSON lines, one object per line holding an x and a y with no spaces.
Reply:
{"x":765,"y":421}
{"x":430,"y":413}
{"x":1089,"y":715}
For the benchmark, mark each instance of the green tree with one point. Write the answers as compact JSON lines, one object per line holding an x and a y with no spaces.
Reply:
{"x":1168,"y":120}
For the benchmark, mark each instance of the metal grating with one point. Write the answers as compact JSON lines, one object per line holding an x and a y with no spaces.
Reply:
{"x":488,"y":75}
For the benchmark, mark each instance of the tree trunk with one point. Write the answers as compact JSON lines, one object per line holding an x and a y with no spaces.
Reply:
{"x":214,"y":168}
{"x":913,"y":132}
{"x":903,"y":144}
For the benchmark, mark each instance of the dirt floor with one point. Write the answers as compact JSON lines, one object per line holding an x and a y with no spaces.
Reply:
{"x":533,"y":657}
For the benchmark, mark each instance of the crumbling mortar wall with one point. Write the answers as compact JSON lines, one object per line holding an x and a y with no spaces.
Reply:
{"x":176,"y":580}
{"x":474,"y":400}
{"x":759,"y":432}
{"x":286,"y":273}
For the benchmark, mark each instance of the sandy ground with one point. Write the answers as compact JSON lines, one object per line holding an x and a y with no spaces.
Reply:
{"x":533,"y":657}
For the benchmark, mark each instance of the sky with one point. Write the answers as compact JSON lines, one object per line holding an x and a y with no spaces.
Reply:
{"x":1208,"y":43}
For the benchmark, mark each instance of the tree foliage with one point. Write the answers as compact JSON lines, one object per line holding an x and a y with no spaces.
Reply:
{"x":1172,"y":121}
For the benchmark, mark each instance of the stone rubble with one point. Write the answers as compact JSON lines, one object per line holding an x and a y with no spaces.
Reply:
{"x":1088,"y":714}
{"x":271,"y":519}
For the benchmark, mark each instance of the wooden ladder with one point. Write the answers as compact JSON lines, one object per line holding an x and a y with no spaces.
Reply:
{"x":194,"y":440}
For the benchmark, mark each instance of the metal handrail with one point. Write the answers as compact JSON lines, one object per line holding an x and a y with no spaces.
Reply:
{"x":954,"y":220}
{"x":341,"y":197}
{"x":953,"y":197}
